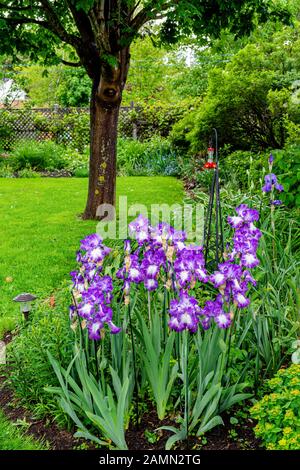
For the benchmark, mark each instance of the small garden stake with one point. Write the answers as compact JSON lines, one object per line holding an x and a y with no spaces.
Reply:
{"x":214,"y":205}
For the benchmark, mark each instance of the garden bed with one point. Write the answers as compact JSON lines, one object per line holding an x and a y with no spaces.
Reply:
{"x":48,"y":432}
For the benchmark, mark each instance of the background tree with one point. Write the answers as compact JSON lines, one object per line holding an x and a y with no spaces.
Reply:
{"x":253,"y":99}
{"x":100,"y":33}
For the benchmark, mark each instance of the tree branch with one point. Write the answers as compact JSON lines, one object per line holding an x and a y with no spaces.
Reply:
{"x":82,"y":22}
{"x":71,"y":64}
{"x":150,"y":12}
{"x":56,"y":26}
{"x":24,"y":20}
{"x":13,"y":8}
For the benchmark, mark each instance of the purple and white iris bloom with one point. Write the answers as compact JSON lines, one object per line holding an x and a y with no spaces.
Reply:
{"x":93,"y":290}
{"x":162,"y":254}
{"x":184,"y":313}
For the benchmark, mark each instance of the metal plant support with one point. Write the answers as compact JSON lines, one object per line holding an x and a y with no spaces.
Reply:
{"x":213,"y":243}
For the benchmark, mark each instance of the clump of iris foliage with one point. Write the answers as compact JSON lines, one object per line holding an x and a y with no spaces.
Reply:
{"x":165,"y":342}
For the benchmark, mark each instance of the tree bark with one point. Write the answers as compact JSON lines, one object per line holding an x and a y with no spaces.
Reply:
{"x":105,"y":104}
{"x":102,"y":174}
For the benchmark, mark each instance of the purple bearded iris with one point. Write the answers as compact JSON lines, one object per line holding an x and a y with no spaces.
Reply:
{"x":91,"y":289}
{"x":139,"y":229}
{"x":184,"y":313}
{"x":189,"y":266}
{"x":213,"y":310}
{"x":233,"y":277}
{"x":272,"y":184}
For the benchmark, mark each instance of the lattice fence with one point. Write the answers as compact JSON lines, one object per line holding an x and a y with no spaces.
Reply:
{"x":69,"y":126}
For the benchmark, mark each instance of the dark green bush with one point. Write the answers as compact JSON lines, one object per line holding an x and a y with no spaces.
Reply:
{"x":39,"y":156}
{"x":151,"y":119}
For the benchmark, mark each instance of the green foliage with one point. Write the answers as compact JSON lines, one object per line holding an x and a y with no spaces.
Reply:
{"x":278,"y":412}
{"x":150,"y":72}
{"x":213,"y":387}
{"x":11,"y":438}
{"x":287,"y":165}
{"x":44,"y":155}
{"x":94,"y":400}
{"x":6,"y":171}
{"x":156,"y":361}
{"x":152,"y":119}
{"x":76,"y":162}
{"x":247,"y":170}
{"x":28,"y":173}
{"x":150,"y":157}
{"x":252,"y":100}
{"x":74,"y":88}
{"x":48,"y":330}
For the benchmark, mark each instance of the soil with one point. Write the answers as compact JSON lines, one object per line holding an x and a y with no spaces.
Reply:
{"x":220,"y":438}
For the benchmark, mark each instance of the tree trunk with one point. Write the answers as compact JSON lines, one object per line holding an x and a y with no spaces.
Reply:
{"x":102,"y":175}
{"x":104,"y":111}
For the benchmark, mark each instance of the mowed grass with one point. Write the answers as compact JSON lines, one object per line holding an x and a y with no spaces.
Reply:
{"x":11,"y":438}
{"x":40,"y":230}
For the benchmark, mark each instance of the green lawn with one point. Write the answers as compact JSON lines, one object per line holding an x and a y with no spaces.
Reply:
{"x":11,"y":438}
{"x":40,"y":230}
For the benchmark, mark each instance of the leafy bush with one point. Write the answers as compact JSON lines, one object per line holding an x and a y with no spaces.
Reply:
{"x":251,"y":99}
{"x":6,"y":171}
{"x":81,"y":172}
{"x":74,"y":160}
{"x":278,"y":413}
{"x":39,"y":156}
{"x":287,"y":164}
{"x":49,"y":330}
{"x":152,"y":157}
{"x":28,"y":173}
{"x":246,"y":169}
{"x":151,"y":119}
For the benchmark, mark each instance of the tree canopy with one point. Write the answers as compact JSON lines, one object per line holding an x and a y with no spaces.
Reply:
{"x":96,"y":30}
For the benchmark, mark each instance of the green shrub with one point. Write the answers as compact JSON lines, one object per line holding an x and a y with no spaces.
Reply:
{"x":246,"y":168}
{"x":28,"y":173}
{"x":39,"y":156}
{"x":151,"y":119}
{"x":6,"y":171}
{"x":287,"y":165}
{"x":48,"y":330}
{"x":81,"y":172}
{"x":278,"y":413}
{"x":75,"y":161}
{"x":148,"y":158}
